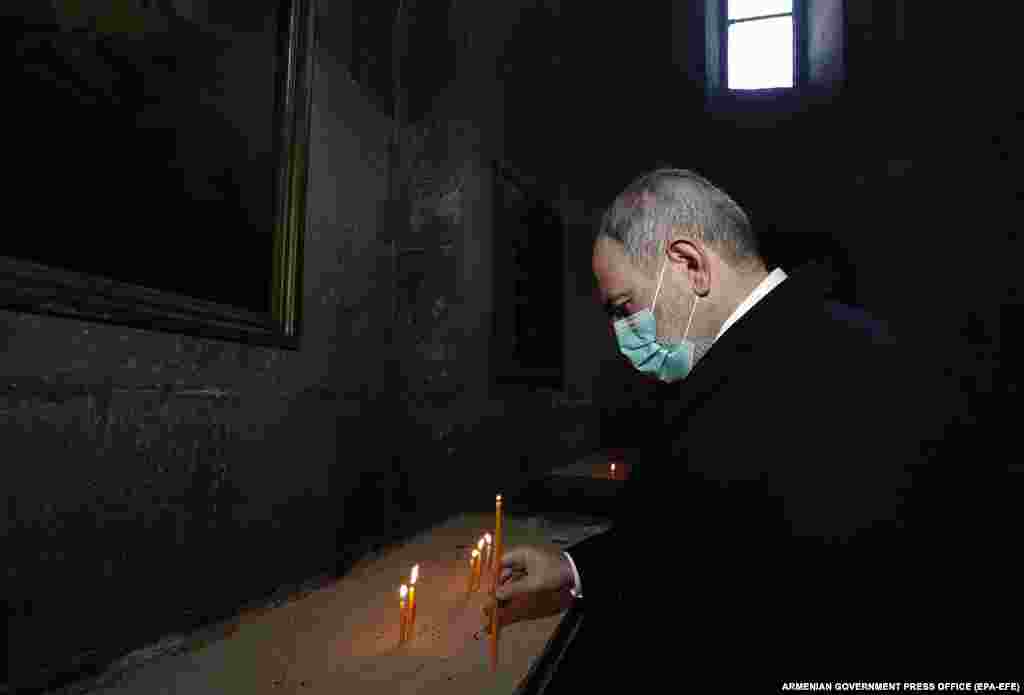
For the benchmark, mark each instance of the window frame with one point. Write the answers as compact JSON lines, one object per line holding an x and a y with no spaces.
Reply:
{"x":718,"y":52}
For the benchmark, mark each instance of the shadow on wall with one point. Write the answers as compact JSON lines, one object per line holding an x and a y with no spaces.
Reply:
{"x":426,"y":57}
{"x":377,"y":495}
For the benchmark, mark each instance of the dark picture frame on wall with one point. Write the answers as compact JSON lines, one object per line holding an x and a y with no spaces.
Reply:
{"x":162,"y":159}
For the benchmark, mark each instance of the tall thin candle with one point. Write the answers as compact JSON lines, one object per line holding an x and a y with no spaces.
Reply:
{"x":472,"y":571}
{"x":412,"y":601}
{"x":495,"y":625}
{"x":480,"y":562}
{"x":497,"y":542}
{"x":479,"y":570}
{"x":404,"y":614}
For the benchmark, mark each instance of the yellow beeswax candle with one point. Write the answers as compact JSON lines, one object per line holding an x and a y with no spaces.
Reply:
{"x":479,"y":569}
{"x":497,"y":543}
{"x":412,"y":601}
{"x":495,"y":625}
{"x":404,"y":613}
{"x":480,"y":562}
{"x":490,"y":553}
{"x":472,"y":571}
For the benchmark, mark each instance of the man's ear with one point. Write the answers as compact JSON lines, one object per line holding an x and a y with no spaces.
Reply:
{"x":695,"y":263}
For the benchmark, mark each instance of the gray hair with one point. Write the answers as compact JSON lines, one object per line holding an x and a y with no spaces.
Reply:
{"x":669,"y":203}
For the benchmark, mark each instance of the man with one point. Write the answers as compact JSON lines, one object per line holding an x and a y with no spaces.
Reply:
{"x":771,"y":527}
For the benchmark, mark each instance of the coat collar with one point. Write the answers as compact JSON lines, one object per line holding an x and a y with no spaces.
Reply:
{"x":776,"y":313}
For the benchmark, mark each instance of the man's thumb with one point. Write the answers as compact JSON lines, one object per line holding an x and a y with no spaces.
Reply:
{"x":511,"y":557}
{"x":515,"y":585}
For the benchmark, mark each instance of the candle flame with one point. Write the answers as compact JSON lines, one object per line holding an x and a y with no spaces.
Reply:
{"x":480,"y":544}
{"x":613,"y":468}
{"x":499,"y":499}
{"x":475,"y":552}
{"x":487,"y":537}
{"x":415,"y":574}
{"x":403,"y":591}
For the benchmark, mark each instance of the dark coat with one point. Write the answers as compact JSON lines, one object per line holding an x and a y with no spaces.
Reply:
{"x":794,"y":511}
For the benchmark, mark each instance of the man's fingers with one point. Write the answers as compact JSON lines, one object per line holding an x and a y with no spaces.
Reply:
{"x":519,"y":585}
{"x":487,"y":613}
{"x":487,"y":616}
{"x":512,"y":574}
{"x":513,"y":557}
{"x":514,"y":577}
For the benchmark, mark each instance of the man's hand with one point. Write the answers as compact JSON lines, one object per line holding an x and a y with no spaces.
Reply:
{"x":530,"y":569}
{"x":529,"y":572}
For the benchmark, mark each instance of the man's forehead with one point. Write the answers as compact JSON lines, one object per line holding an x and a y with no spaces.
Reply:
{"x":612,"y":269}
{"x":609,"y":255}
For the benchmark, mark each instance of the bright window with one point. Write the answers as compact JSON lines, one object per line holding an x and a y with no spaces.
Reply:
{"x":760,"y":44}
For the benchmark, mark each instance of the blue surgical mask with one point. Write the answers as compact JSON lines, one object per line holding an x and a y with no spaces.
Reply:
{"x":638,"y":340}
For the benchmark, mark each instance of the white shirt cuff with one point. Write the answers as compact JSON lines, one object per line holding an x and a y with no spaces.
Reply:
{"x":576,"y":590}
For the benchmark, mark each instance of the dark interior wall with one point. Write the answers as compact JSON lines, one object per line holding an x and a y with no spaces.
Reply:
{"x":592,"y":95}
{"x":156,"y":482}
{"x":826,"y":42}
{"x":444,"y":354}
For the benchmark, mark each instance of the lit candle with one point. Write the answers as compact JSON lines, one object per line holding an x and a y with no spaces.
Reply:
{"x":497,"y":543}
{"x":490,"y":552}
{"x":613,"y":470}
{"x":494,"y":583}
{"x":472,"y":571}
{"x":404,"y":619}
{"x":412,"y":601}
{"x":497,"y":539}
{"x":479,"y":570}
{"x":480,"y":562}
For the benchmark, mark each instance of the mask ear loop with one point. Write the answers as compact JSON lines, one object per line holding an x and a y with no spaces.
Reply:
{"x":693,"y":308}
{"x":661,"y":277}
{"x":696,"y":298}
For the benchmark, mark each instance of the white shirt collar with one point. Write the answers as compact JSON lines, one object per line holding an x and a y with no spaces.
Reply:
{"x":771,"y":281}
